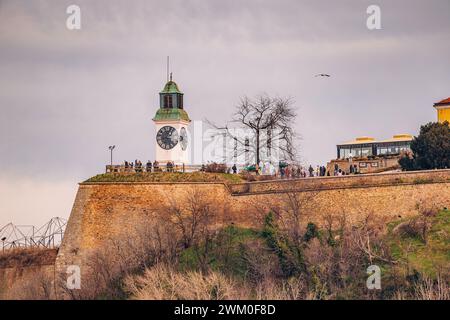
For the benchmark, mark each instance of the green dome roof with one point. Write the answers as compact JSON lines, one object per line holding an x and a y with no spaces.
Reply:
{"x":171,"y":114}
{"x":171,"y":87}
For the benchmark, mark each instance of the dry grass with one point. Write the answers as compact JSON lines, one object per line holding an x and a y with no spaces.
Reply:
{"x":166,"y":177}
{"x":161,"y":282}
{"x":27,"y":257}
{"x":429,"y":289}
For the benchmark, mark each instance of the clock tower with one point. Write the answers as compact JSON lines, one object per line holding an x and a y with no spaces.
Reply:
{"x":171,"y":121}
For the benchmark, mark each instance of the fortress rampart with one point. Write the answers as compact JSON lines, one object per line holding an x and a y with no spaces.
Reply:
{"x":108,"y":209}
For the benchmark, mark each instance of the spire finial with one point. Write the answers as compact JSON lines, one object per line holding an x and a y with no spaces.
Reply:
{"x":168,"y":67}
{"x":171,"y":76}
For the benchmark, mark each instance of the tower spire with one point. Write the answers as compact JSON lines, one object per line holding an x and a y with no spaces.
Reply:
{"x":168,"y":65}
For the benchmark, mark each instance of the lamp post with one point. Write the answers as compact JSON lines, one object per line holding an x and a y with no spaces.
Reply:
{"x":111,"y":148}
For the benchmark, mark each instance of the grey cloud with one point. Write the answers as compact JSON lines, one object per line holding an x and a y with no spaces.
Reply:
{"x":65,"y":96}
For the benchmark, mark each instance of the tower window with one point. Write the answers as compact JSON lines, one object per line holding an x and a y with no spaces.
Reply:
{"x":168,"y":101}
{"x":180,"y":101}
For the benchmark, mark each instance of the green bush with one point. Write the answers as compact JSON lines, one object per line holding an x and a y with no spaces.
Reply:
{"x":289,"y":256}
{"x":311,"y":232}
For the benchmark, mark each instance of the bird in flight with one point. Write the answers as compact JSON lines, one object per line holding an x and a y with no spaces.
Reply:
{"x":322,"y":75}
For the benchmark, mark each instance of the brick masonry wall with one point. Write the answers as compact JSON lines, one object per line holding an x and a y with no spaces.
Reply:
{"x":344,"y":182}
{"x":103,"y":210}
{"x":10,"y":277}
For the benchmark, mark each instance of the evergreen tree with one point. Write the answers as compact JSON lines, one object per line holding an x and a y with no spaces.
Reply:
{"x":431,"y":149}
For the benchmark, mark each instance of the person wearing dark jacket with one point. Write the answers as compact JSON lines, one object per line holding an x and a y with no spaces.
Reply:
{"x":148,"y":166}
{"x":311,"y":170}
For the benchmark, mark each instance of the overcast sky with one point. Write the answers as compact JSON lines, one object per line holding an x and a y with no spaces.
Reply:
{"x":66,"y":95}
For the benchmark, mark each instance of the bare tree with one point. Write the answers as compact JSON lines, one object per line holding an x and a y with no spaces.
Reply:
{"x":193,"y":217}
{"x":293,"y":211}
{"x":126,"y":252}
{"x":368,"y":237}
{"x":270,"y":121}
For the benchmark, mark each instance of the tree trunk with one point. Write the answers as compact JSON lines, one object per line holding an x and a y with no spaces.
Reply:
{"x":257,"y":146}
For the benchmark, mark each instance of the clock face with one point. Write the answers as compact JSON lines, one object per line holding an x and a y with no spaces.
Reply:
{"x":167,"y":137}
{"x":183,"y":138}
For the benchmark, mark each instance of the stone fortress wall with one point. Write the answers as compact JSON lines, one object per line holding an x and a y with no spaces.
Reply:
{"x":19,"y":268}
{"x":104,"y":210}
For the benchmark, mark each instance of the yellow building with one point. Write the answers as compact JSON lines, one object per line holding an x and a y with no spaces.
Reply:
{"x":443,"y":110}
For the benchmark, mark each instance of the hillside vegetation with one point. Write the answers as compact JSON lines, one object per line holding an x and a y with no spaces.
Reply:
{"x":409,"y":247}
{"x":184,"y":255}
{"x":280,"y":261}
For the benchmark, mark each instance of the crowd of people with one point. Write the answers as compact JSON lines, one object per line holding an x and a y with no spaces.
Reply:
{"x":292,"y":171}
{"x":283,"y":170}
{"x":154,"y":166}
{"x":287,"y":171}
{"x":353,"y":169}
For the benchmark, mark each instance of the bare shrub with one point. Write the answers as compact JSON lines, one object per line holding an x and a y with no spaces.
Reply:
{"x":419,"y":226}
{"x":427,"y":209}
{"x":411,"y":228}
{"x":144,"y":246}
{"x":260,"y":264}
{"x":294,"y":288}
{"x":368,"y":236}
{"x":98,"y":279}
{"x":337,"y":258}
{"x":292,"y":214}
{"x":425,"y":288}
{"x":121,"y":255}
{"x":161,"y":282}
{"x":429,"y":289}
{"x":216,"y":167}
{"x":329,"y":261}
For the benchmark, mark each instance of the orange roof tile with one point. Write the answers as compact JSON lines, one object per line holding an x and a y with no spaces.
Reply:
{"x":443,"y":102}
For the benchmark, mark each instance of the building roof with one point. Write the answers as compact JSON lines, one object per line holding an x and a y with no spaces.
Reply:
{"x":368,"y":140}
{"x":443,"y":102}
{"x":171,"y":87}
{"x":360,"y":140}
{"x":171,"y":114}
{"x":399,"y":137}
